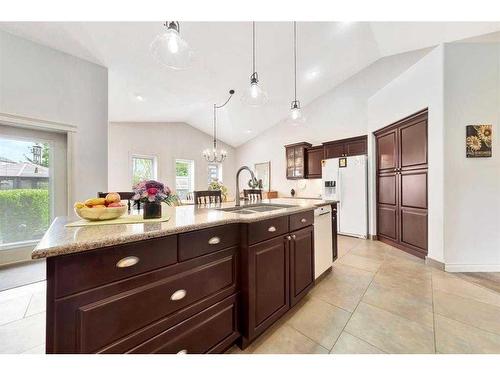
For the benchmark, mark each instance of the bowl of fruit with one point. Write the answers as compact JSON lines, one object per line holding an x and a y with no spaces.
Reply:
{"x":95,"y":209}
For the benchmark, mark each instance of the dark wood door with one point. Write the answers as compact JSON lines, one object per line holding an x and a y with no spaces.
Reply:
{"x":268,"y":284}
{"x":334,"y":150}
{"x":356,"y":147}
{"x":301,"y":263}
{"x":402,"y":184}
{"x":314,"y":158}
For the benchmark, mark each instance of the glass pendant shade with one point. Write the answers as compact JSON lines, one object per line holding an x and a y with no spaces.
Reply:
{"x":170,"y":49}
{"x":254,"y":95}
{"x":296,"y":116}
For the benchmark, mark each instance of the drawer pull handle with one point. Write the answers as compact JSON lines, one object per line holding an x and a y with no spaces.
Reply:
{"x":183,"y":351}
{"x":303,"y":220}
{"x":127,"y":262}
{"x":271,"y":229}
{"x":178,"y":295}
{"x":214,"y":241}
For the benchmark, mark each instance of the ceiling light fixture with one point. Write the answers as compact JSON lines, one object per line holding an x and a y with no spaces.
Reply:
{"x":139,"y":98}
{"x":215,"y":156}
{"x":170,"y":49}
{"x":254,"y":95}
{"x":296,"y":116}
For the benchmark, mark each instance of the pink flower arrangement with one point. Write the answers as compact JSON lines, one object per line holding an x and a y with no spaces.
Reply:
{"x":153,"y":191}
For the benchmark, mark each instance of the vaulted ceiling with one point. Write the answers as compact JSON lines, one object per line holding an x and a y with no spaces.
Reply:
{"x":328,"y":53}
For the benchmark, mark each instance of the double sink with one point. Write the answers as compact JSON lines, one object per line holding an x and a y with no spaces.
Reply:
{"x":255,"y":208}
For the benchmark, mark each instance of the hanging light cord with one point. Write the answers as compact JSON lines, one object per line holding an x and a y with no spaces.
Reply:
{"x":295,"y":57}
{"x":216,"y":107}
{"x":253,"y":46}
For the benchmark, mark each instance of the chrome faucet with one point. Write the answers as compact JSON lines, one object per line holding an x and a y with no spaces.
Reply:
{"x":238,"y":182}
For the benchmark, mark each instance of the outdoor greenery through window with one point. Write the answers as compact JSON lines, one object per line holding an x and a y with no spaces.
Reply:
{"x":143,"y":168}
{"x":25,"y":209}
{"x":184,"y":177}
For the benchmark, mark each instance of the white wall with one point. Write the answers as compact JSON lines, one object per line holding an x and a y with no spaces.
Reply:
{"x":166,"y":141}
{"x":421,"y":86}
{"x":42,"y":83}
{"x":472,"y":186}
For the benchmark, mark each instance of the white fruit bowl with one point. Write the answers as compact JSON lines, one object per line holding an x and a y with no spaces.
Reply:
{"x":101,"y":213}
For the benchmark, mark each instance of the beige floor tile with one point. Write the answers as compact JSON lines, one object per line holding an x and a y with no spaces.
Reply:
{"x":320,"y":321}
{"x":287,"y":340}
{"x":37,"y":304}
{"x":453,"y":337}
{"x":22,"y":335}
{"x":40,"y":349}
{"x":402,"y":302}
{"x":345,"y":244}
{"x":14,"y":308}
{"x":349,"y":344}
{"x":390,"y":332}
{"x":449,"y":283}
{"x":468,"y":311}
{"x":360,"y":262}
{"x":374,"y":252}
{"x":344,"y":287}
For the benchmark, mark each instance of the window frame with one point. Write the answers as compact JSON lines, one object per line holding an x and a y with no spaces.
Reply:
{"x":154,"y":158}
{"x":219,"y":172}
{"x":191,"y":162}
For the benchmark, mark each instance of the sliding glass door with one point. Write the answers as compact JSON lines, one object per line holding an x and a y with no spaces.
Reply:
{"x":33,"y":188}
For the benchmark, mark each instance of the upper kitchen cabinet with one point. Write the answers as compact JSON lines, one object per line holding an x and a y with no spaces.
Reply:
{"x":314,"y":155}
{"x":296,"y":162}
{"x":345,"y":147}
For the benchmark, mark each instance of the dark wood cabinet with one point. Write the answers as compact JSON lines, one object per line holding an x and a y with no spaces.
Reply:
{"x":334,"y":232}
{"x":345,"y":147}
{"x":402,"y":184}
{"x":314,"y":156}
{"x":296,"y":162}
{"x":301,"y":263}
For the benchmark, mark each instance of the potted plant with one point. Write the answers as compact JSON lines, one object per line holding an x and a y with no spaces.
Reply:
{"x":217,"y":185}
{"x":152,"y":194}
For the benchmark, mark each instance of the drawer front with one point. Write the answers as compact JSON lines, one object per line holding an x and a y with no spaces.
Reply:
{"x":211,"y":330}
{"x":195,"y":244}
{"x":78,"y":272}
{"x":266,"y":229}
{"x":301,"y":220}
{"x":121,"y":314}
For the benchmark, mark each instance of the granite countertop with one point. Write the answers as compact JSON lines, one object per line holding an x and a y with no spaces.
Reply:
{"x":60,"y":240}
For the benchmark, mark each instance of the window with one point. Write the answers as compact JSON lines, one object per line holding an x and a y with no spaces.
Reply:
{"x":214,"y":172}
{"x":184,"y":177}
{"x":143,"y":168}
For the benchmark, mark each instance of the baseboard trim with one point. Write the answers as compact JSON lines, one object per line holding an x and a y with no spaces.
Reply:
{"x":435,"y":263}
{"x":472,"y":267}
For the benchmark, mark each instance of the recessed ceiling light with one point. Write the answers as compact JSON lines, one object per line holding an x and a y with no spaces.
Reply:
{"x":312,"y":74}
{"x":139,"y":98}
{"x":248,"y":131}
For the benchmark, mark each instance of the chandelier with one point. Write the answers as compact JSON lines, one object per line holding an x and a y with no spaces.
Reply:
{"x":214,"y":155}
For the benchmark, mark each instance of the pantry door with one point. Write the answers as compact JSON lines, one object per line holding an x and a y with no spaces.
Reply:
{"x":33,"y":188}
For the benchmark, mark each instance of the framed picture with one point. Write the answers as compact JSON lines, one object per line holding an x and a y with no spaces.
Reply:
{"x":342,"y":162}
{"x":263,"y":173}
{"x":478,"y":141}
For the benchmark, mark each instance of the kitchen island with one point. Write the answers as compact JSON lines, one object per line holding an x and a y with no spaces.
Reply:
{"x":198,"y":283}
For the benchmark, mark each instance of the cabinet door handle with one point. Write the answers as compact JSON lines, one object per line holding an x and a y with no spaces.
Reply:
{"x":303,"y":220}
{"x":214,"y":241}
{"x":183,"y":351}
{"x":178,"y":295}
{"x":127,"y":262}
{"x":271,"y":229}
{"x":293,"y":236}
{"x":289,"y":238}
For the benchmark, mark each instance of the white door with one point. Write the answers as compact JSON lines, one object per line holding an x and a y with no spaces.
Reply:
{"x":352,"y":195}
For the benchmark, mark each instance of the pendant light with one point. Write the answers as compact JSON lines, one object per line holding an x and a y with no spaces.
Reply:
{"x":170,"y":49}
{"x":296,"y":117}
{"x":214,"y":155}
{"x":254,"y":95}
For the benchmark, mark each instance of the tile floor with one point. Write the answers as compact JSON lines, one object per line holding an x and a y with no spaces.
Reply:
{"x":377,"y":300}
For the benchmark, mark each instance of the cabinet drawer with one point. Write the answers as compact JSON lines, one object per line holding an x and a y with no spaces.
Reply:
{"x":104,"y":321}
{"x":301,"y":220}
{"x":211,"y":330}
{"x":263,"y":230}
{"x":194,"y":244}
{"x":82,"y":271}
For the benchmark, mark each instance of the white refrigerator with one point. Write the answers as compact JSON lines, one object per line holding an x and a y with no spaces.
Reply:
{"x":345,"y":180}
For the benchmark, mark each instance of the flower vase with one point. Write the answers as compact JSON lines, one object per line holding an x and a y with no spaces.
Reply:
{"x":152,"y":210}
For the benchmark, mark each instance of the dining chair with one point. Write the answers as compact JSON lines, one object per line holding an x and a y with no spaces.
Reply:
{"x":207,"y":196}
{"x":252,"y":194}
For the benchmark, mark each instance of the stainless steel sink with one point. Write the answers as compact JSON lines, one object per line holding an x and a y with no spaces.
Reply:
{"x":256,"y":208}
